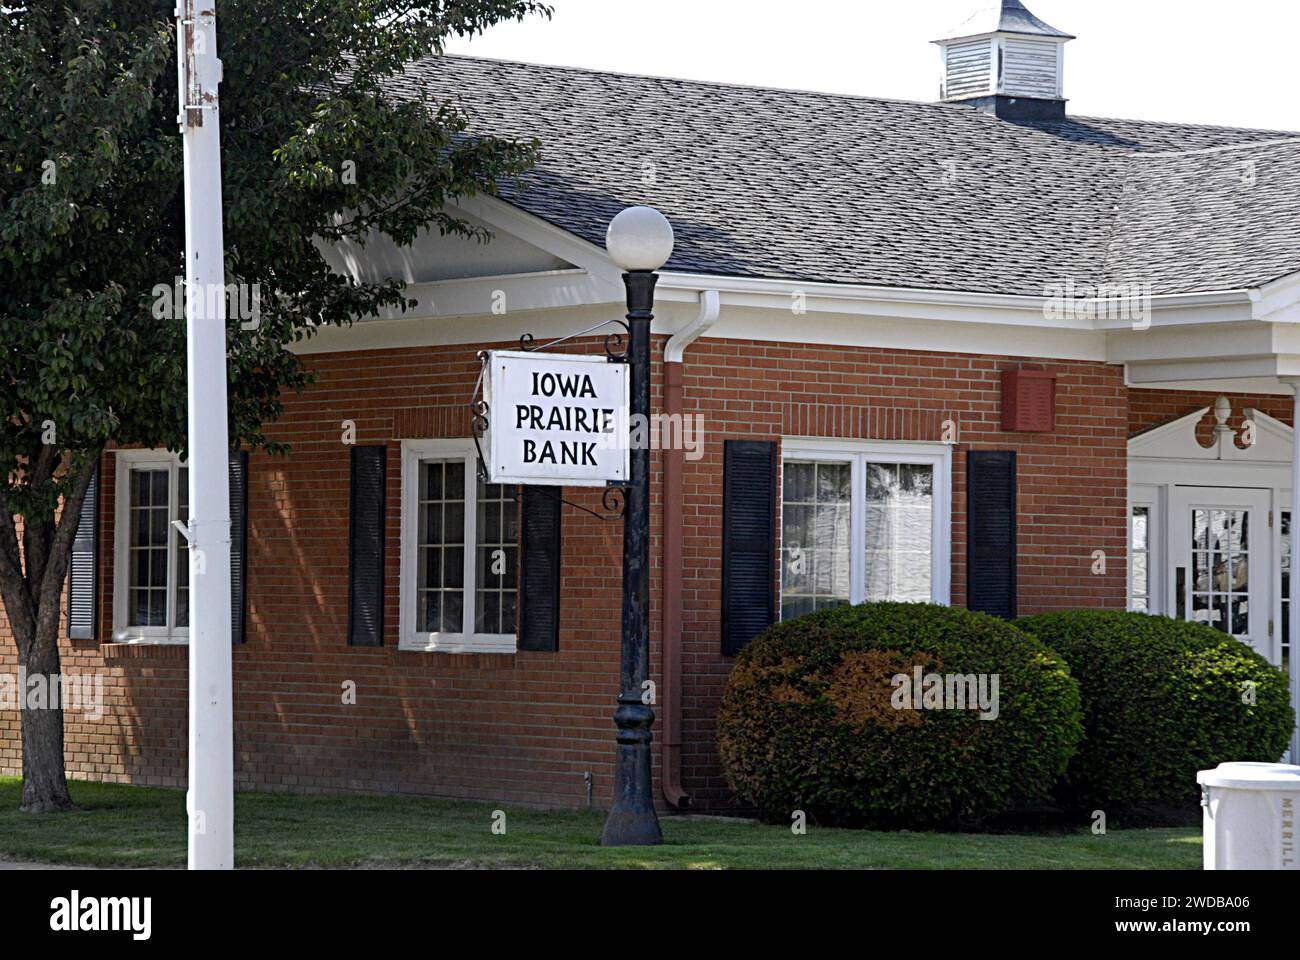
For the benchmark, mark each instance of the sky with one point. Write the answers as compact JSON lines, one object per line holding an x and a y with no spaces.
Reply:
{"x":1232,"y":64}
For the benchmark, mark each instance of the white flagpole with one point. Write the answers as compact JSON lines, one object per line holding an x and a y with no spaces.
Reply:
{"x":210,"y":801}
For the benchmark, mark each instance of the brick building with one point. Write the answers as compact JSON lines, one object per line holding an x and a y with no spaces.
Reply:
{"x":975,"y":352}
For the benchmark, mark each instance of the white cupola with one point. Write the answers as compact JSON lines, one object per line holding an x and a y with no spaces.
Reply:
{"x":1007,"y":62}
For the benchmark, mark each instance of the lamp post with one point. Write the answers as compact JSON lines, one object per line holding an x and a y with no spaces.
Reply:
{"x":640,"y":240}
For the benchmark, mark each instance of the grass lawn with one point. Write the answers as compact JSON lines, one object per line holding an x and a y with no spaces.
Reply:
{"x":140,"y":827}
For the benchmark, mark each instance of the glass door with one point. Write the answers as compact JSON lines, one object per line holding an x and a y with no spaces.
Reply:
{"x":1221,"y":562}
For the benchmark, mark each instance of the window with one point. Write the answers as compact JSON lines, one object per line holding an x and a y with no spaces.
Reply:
{"x":863,"y":522}
{"x":460,"y":552}
{"x":1139,"y":591}
{"x":150,"y":573}
{"x":1146,"y":528}
{"x":816,"y":548}
{"x":1221,"y":569}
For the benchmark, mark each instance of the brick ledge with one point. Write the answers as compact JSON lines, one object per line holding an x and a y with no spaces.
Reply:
{"x":141,"y":651}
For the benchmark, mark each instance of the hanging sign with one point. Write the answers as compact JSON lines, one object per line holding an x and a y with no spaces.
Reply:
{"x":559,"y":420}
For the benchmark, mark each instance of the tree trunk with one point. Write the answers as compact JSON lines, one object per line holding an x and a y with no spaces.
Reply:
{"x":31,"y":585}
{"x":45,"y":786}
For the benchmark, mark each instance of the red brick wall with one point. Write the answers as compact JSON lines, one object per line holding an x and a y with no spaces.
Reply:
{"x":1071,"y":490}
{"x":525,"y":727}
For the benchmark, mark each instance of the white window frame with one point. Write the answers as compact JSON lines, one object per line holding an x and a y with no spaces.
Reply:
{"x":938,"y":456}
{"x":126,"y":461}
{"x":413,"y":452}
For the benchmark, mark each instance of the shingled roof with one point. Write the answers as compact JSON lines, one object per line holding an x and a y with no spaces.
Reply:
{"x":824,"y":187}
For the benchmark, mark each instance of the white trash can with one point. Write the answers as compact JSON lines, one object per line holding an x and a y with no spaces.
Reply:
{"x":1250,"y":814}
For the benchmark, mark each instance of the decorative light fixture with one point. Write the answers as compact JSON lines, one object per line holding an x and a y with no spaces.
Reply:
{"x":640,"y":240}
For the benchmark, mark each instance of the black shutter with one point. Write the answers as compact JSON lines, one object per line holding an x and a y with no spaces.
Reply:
{"x":748,"y":541}
{"x":366,"y":547}
{"x":539,"y":597}
{"x":83,"y":569}
{"x":238,"y":542}
{"x":991,"y":532}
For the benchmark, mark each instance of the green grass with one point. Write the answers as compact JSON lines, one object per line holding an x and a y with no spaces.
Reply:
{"x":139,"y":827}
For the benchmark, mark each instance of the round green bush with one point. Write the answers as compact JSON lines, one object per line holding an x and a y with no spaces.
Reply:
{"x":1162,"y":699}
{"x":813,"y":720}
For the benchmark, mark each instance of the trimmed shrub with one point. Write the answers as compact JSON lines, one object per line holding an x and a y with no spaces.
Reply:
{"x":1162,"y":699}
{"x":812,"y":719}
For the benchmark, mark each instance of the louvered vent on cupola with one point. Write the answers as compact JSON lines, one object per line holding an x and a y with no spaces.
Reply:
{"x":1007,"y":62}
{"x":967,"y":69}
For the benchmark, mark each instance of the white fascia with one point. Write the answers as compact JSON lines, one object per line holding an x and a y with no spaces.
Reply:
{"x":947,"y":305}
{"x":901,"y":302}
{"x":1277,"y":301}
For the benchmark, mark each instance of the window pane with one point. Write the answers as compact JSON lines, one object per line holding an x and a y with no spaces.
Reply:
{"x":496,"y":559}
{"x":1139,"y":592}
{"x":453,"y":610}
{"x":147,"y":547}
{"x":816,"y":510}
{"x":440,"y":559}
{"x":797,"y":482}
{"x":899,"y":519}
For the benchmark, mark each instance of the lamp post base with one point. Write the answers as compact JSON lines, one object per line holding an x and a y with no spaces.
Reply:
{"x":632,"y":820}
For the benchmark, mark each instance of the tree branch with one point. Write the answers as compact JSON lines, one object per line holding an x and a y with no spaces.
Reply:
{"x":37,"y":529}
{"x":19,"y":605}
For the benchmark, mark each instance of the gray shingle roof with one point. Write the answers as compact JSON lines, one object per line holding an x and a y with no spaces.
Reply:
{"x":820,"y":187}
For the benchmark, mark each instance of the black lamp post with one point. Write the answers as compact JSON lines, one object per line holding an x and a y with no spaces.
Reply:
{"x":640,"y":240}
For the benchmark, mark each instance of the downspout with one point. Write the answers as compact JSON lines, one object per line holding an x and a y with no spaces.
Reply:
{"x":674,"y":457}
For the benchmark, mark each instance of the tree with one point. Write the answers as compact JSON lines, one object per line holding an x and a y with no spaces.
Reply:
{"x":92,"y":222}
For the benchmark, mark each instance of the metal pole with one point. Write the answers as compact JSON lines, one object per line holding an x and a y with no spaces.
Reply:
{"x":632,"y":820}
{"x":210,"y":801}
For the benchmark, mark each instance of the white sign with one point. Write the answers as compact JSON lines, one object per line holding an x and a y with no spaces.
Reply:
{"x":559,"y":420}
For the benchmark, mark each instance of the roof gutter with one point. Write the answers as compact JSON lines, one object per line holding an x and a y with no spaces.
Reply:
{"x":674,"y":459}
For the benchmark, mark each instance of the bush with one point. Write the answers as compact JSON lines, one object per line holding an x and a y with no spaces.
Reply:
{"x":811,"y":719}
{"x":1161,"y":699}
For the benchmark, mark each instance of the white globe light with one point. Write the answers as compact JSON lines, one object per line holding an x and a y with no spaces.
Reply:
{"x":640,"y":238}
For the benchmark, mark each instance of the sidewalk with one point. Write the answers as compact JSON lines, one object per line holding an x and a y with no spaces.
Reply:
{"x":35,"y":865}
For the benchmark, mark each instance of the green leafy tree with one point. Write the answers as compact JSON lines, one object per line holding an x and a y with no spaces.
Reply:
{"x":92,"y":221}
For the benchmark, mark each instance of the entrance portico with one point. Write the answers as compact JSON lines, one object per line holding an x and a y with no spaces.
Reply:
{"x":1209,"y":530}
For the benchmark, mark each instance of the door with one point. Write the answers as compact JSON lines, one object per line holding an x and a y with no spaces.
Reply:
{"x":1221,"y":561}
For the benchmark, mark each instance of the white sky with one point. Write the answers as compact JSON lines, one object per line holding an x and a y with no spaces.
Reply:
{"x":1232,"y":63}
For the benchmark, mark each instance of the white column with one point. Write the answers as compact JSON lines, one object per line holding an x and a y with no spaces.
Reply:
{"x":210,"y":801}
{"x":1294,"y":632}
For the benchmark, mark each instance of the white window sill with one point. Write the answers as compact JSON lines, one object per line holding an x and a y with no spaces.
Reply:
{"x":135,"y":639}
{"x":481,"y":643}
